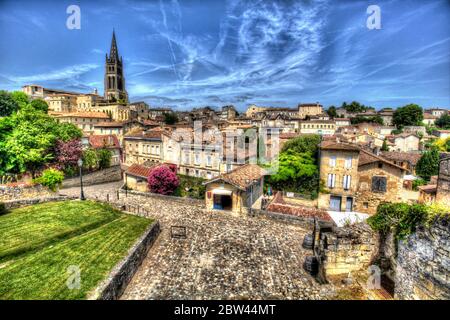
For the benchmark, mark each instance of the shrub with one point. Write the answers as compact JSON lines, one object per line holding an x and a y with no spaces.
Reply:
{"x":400,"y":218}
{"x":163,"y":180}
{"x":418,"y":182}
{"x":104,"y":158}
{"x":191,"y":187}
{"x":51,"y":178}
{"x":3,"y":209}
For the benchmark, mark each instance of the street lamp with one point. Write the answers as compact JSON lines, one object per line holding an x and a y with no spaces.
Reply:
{"x":80,"y":165}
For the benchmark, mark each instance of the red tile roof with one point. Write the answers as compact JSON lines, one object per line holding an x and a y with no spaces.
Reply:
{"x":108,"y":141}
{"x":241,"y":177}
{"x":97,"y":115}
{"x":141,"y":171}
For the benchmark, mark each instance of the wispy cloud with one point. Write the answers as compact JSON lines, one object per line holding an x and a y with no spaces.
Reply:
{"x":62,"y":74}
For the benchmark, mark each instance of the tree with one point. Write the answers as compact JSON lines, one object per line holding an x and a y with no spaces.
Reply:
{"x":68,"y":153}
{"x":7,"y":104}
{"x":39,"y":105}
{"x":20,"y":97}
{"x":163,"y":180}
{"x":409,"y":115}
{"x":428,"y":164}
{"x":332,"y":112}
{"x":90,"y":159}
{"x":384,"y":147}
{"x":303,"y":144}
{"x":170,"y":118}
{"x":67,"y":132}
{"x":371,"y":119}
{"x":104,"y":158}
{"x":443,"y":122}
{"x":354,"y":107}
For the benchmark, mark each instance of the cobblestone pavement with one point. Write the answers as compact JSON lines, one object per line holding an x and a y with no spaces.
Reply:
{"x":224,"y":256}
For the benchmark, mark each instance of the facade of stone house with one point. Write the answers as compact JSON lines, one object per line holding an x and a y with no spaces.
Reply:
{"x":322,"y":127}
{"x":309,"y":109}
{"x":406,"y":160}
{"x":339,"y":172}
{"x":143,"y":147}
{"x":237,"y":190}
{"x":405,"y":142}
{"x":379,"y":181}
{"x":202,"y":161}
{"x":356,"y":179}
{"x":109,"y":142}
{"x":443,"y":182}
{"x":85,"y":121}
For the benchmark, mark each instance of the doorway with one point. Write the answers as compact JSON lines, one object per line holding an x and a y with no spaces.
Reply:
{"x":349,"y":204}
{"x":222,"y":202}
{"x":335,"y":203}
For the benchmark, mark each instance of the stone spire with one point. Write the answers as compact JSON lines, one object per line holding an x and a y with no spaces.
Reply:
{"x":114,"y":52}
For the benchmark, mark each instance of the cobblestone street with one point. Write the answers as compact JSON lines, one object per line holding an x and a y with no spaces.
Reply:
{"x":224,"y":256}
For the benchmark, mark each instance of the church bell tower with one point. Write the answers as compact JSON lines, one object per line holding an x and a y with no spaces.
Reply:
{"x":114,"y":79}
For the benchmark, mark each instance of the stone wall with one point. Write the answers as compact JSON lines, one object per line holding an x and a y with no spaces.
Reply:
{"x":102,"y":176}
{"x":118,"y":279}
{"x":190,"y":201}
{"x":24,"y":191}
{"x":13,"y":204}
{"x":346,"y":249}
{"x":423,"y":263}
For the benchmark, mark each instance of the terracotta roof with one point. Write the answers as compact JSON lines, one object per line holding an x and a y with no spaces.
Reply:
{"x":108,"y":141}
{"x":366,"y":157}
{"x":241,"y":177}
{"x":87,"y":114}
{"x":430,"y":188}
{"x":411,"y":157}
{"x":334,"y":145}
{"x":141,"y":171}
{"x":142,"y":134}
{"x":429,"y":116}
{"x":113,"y":124}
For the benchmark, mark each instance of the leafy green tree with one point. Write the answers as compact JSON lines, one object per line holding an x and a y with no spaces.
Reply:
{"x":371,"y":119}
{"x":428,"y":164}
{"x":7,"y":104}
{"x":104,"y":158}
{"x":39,"y":105}
{"x":90,"y":159}
{"x":443,"y":122}
{"x":20,"y":97}
{"x":354,"y":107}
{"x":67,"y":132}
{"x":409,"y":115}
{"x":303,"y":144}
{"x":384,"y":147}
{"x":170,"y":118}
{"x":332,"y":112}
{"x":51,"y":178}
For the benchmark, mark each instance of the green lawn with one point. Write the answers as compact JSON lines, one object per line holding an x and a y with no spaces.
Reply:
{"x":39,"y":243}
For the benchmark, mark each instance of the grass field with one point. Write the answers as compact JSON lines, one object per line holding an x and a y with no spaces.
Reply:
{"x":40,"y":244}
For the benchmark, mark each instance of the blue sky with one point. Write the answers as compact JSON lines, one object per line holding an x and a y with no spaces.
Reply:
{"x":276,"y":53}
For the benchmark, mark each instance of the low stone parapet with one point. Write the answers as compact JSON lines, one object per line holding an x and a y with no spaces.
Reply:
{"x":23,"y":191}
{"x":102,"y":176}
{"x":116,"y":282}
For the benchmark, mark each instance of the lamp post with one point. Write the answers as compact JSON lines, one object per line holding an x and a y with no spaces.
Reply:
{"x":80,"y":165}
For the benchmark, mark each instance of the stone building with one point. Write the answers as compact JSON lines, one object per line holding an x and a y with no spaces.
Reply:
{"x":61,"y":103}
{"x":86,"y":121}
{"x":405,"y":142}
{"x":309,"y":109}
{"x":356,"y":179}
{"x":143,"y":147}
{"x":118,"y":128}
{"x":109,"y":142}
{"x":237,"y":190}
{"x":322,"y":127}
{"x":443,"y":182}
{"x":136,"y":177}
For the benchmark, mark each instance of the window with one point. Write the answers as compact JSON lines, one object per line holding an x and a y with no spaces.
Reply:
{"x":333,"y":161}
{"x":186,"y":158}
{"x":380,"y":165}
{"x":157,"y":150}
{"x":208,"y":175}
{"x":348,"y":163}
{"x":208,"y":160}
{"x":331,"y":180}
{"x":347,"y":182}
{"x":379,"y":184}
{"x":197,"y":158}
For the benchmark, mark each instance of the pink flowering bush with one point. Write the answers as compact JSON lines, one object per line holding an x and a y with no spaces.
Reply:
{"x":163,"y":180}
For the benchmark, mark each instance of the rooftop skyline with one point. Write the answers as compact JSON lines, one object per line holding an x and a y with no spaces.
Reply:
{"x":186,"y":54}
